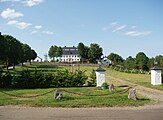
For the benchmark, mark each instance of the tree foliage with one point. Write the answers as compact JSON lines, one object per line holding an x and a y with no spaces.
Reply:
{"x":55,"y":51}
{"x":83,"y":51}
{"x":115,"y":58}
{"x":94,"y":53}
{"x":3,"y":48}
{"x":141,"y":61}
{"x":159,"y":60}
{"x":129,"y":63}
{"x":12,"y":51}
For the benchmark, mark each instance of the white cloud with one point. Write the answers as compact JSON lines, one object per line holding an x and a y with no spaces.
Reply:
{"x":48,"y":32}
{"x":119,"y":28}
{"x":32,"y":2}
{"x":34,"y":31}
{"x":9,"y":0}
{"x":11,"y":13}
{"x":133,"y":27}
{"x":20,"y":25}
{"x":114,"y":23}
{"x":26,"y":2}
{"x":105,"y":29}
{"x":38,"y":27}
{"x":137,"y":33}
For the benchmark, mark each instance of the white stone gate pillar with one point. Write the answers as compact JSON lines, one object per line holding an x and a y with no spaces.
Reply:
{"x":156,"y":76}
{"x":100,"y":76}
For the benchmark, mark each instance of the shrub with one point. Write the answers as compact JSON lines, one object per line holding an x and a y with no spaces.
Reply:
{"x":79,"y":78}
{"x":28,"y":80}
{"x":105,"y":84}
{"x":5,"y":79}
{"x":24,"y":80}
{"x":92,"y":80}
{"x":62,"y":79}
{"x":42,"y":80}
{"x":67,"y":79}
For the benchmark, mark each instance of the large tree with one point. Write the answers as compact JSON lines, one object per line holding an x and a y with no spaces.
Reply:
{"x":53,"y":52}
{"x":81,"y":51}
{"x":129,"y":62}
{"x":115,"y":58}
{"x":59,"y":51}
{"x":86,"y":50}
{"x":33,"y":55}
{"x":151,"y":62}
{"x":94,"y":53}
{"x":13,"y":50}
{"x":159,"y":60}
{"x":26,"y":53}
{"x":141,"y":61}
{"x":3,"y":48}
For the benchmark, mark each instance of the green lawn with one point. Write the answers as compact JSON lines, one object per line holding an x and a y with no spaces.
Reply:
{"x":88,"y":97}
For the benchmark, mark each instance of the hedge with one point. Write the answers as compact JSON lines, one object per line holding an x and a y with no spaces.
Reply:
{"x":28,"y":79}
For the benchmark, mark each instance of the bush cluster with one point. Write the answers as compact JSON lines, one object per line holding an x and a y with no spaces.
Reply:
{"x":28,"y":79}
{"x":69,"y":79}
{"x":5,"y":79}
{"x":92,"y":79}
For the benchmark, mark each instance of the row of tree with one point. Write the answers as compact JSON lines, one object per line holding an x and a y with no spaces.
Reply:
{"x":13,"y":52}
{"x":94,"y":52}
{"x":141,"y":61}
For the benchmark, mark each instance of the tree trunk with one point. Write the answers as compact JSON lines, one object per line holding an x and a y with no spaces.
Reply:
{"x":14,"y":66}
{"x":7,"y":64}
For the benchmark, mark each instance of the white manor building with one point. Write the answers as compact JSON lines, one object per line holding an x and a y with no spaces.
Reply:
{"x":70,"y":54}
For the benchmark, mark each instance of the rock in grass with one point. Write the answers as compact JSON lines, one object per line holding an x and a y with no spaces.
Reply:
{"x":132,"y":94}
{"x":57,"y":94}
{"x":111,"y":87}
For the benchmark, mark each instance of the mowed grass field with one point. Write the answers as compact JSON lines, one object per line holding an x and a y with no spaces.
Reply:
{"x":82,"y":97}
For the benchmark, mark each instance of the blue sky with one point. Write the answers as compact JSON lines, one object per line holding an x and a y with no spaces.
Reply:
{"x":125,"y":27}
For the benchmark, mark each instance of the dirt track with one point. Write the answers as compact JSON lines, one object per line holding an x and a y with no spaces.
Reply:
{"x":29,"y":113}
{"x":148,"y":112}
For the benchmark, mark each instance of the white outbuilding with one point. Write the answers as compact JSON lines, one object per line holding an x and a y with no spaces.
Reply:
{"x":156,"y":76}
{"x":100,"y":76}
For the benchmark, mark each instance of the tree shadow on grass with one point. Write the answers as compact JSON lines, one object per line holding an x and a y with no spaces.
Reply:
{"x":142,"y":99}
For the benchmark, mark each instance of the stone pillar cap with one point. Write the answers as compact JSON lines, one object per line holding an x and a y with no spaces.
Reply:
{"x":156,"y":68}
{"x":100,"y":70}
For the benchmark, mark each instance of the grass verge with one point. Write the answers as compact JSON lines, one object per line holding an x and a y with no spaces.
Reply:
{"x":98,"y":98}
